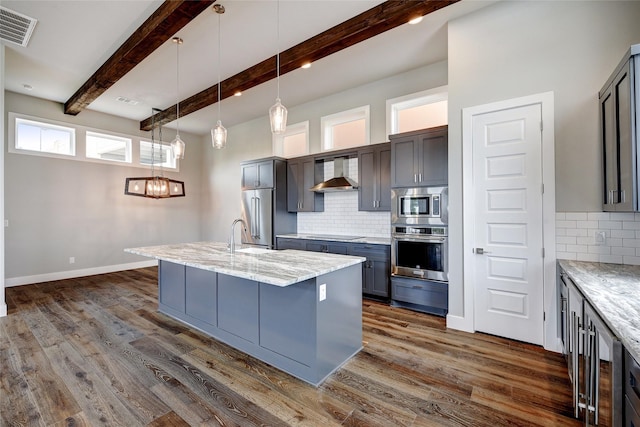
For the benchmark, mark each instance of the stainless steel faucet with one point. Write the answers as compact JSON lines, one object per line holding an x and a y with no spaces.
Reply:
{"x":232,"y":240}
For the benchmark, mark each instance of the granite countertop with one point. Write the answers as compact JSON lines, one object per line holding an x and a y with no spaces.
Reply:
{"x":279,"y":268}
{"x":614,"y":292}
{"x":339,"y":238}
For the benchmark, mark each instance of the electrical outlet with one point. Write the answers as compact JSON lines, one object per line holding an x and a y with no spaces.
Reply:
{"x":72,"y":260}
{"x":600,"y":238}
{"x":6,"y":222}
{"x":323,"y":292}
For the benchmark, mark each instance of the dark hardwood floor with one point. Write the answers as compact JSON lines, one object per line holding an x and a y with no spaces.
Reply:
{"x":94,"y":351}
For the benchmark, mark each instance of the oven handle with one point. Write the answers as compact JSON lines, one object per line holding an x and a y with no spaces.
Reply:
{"x":419,"y":239}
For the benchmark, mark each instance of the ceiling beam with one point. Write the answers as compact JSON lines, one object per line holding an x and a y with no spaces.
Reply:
{"x":385,"y":16}
{"x":168,"y":19}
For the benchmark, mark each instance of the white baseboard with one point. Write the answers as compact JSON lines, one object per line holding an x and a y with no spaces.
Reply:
{"x":3,"y":310}
{"x":61,"y":275}
{"x":459,"y":323}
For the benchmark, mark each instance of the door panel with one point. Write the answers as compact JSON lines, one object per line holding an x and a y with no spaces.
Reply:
{"x":507,"y":153}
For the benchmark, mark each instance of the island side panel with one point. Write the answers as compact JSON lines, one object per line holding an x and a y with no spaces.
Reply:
{"x":288,"y":320}
{"x":238,"y":307}
{"x":201,"y":295}
{"x":171,"y":290}
{"x":339,"y":319}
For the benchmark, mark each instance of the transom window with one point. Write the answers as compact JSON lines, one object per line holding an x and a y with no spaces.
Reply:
{"x":418,"y":111}
{"x":43,"y":137}
{"x":161,"y":155}
{"x":345,"y":129}
{"x":294,"y":142}
{"x":108,"y":147}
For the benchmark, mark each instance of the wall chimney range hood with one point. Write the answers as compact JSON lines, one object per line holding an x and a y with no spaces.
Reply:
{"x":340,"y":180}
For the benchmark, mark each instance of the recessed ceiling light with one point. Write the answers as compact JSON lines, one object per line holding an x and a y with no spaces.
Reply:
{"x":306,"y":65}
{"x":416,"y":20}
{"x":237,"y":93}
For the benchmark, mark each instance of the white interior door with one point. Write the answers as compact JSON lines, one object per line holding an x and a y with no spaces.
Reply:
{"x":508,"y":233}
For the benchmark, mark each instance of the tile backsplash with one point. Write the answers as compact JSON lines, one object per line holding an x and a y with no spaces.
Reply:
{"x":612,"y":237}
{"x":341,"y":215}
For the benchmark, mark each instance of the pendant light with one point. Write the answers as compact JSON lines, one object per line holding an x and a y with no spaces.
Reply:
{"x":278,"y":112}
{"x":154,"y":186}
{"x":219,"y":133}
{"x":177,"y":145}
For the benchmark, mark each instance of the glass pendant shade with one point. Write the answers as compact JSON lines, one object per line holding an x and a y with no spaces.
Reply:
{"x":219,"y":136}
{"x":177,"y":147}
{"x":278,"y":117}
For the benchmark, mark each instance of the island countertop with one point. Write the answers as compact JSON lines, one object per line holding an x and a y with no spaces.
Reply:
{"x":612,"y":289}
{"x":279,"y":268}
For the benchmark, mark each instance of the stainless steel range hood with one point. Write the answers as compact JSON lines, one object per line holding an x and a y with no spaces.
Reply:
{"x":340,"y":180}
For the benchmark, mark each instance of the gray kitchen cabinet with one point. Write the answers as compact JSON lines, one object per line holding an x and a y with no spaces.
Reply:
{"x":258,"y":174}
{"x":201,"y":293}
{"x":374,"y":178}
{"x":419,"y":158}
{"x":620,"y":133}
{"x":327,"y":247}
{"x":172,"y":285}
{"x":285,"y":243}
{"x":427,"y":296}
{"x":632,"y":391}
{"x":302,"y":174}
{"x":376,"y":269}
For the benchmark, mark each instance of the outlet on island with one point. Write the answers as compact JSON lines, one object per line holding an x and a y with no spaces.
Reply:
{"x":323,"y":292}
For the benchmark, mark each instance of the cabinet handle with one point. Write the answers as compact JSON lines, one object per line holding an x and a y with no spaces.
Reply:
{"x":419,"y":177}
{"x":415,"y":177}
{"x":622,"y":196}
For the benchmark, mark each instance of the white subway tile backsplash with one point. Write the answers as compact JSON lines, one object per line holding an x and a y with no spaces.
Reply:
{"x":576,"y":237}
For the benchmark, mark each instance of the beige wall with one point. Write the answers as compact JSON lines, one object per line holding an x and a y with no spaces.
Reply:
{"x":60,"y":208}
{"x":518,"y":48}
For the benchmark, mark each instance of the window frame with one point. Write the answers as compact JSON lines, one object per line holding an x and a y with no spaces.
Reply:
{"x":294,"y":129}
{"x":80,"y":143}
{"x":328,"y":122}
{"x":13,"y":134}
{"x":166,"y":146}
{"x":128,"y":147}
{"x":417,"y":99}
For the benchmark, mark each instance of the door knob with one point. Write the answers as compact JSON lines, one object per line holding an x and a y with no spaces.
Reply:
{"x":480,"y":251}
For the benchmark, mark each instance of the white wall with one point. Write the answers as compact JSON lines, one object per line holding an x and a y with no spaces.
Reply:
{"x":519,"y":48}
{"x":252,"y":140}
{"x":60,"y":208}
{"x":3,"y":305}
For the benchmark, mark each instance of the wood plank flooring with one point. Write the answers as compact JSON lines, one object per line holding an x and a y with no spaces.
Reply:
{"x":94,"y":351}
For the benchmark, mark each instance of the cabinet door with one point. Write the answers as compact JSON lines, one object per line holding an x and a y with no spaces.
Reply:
{"x":249,"y":176}
{"x":305,"y":196}
{"x":265,"y":174}
{"x":380,"y":280}
{"x":610,"y":147}
{"x":172,"y":285}
{"x":315,"y":246}
{"x":336,"y":248}
{"x":367,"y":177}
{"x":622,"y":98}
{"x":384,"y":179}
{"x":238,"y":307}
{"x":201,"y":294}
{"x":297,"y":244}
{"x":403,"y":172}
{"x":293,"y":183}
{"x":433,"y":156}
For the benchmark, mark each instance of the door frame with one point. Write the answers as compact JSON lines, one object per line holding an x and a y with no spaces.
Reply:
{"x":546,"y":101}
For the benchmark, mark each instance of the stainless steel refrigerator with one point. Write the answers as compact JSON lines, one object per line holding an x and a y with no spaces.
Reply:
{"x":257,"y":213}
{"x":264,"y":210}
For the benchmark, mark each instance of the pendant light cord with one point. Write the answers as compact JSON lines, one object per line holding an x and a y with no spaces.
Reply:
{"x":278,"y":45}
{"x":177,"y":86}
{"x":219,"y":56}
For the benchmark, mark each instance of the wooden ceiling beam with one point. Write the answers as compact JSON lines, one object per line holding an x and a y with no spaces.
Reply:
{"x":168,"y":19}
{"x":383,"y":17}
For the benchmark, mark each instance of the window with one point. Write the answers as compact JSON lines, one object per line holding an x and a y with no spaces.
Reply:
{"x":43,"y":137}
{"x":161,"y":158}
{"x":345,"y":129}
{"x":418,"y":111}
{"x":108,"y":147}
{"x":294,"y":142}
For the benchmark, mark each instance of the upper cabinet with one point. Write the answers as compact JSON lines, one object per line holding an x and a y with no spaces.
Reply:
{"x":257,"y":174}
{"x":619,"y":132}
{"x":302,"y":174}
{"x":374,"y":178}
{"x":419,"y":158}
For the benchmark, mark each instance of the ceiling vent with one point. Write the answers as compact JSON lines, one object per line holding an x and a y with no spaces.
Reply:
{"x":15,"y":27}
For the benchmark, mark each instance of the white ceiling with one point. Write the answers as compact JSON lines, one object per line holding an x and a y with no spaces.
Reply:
{"x":73,"y":38}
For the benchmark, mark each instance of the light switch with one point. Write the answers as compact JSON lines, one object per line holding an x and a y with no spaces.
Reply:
{"x":323,"y":292}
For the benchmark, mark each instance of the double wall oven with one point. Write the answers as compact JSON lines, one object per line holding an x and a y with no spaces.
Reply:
{"x":419,"y":233}
{"x":419,"y":249}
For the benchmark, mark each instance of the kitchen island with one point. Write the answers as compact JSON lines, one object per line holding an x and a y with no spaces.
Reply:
{"x":296,"y":310}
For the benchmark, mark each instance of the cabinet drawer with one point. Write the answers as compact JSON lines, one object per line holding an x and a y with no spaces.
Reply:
{"x":432,"y":294}
{"x":632,"y":382}
{"x":372,"y":252}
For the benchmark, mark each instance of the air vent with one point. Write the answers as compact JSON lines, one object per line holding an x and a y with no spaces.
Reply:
{"x":15,"y":27}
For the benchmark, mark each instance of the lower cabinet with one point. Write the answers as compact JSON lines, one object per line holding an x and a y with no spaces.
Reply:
{"x":376,"y":270}
{"x":420,"y":295}
{"x":201,"y":294}
{"x":632,"y":391}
